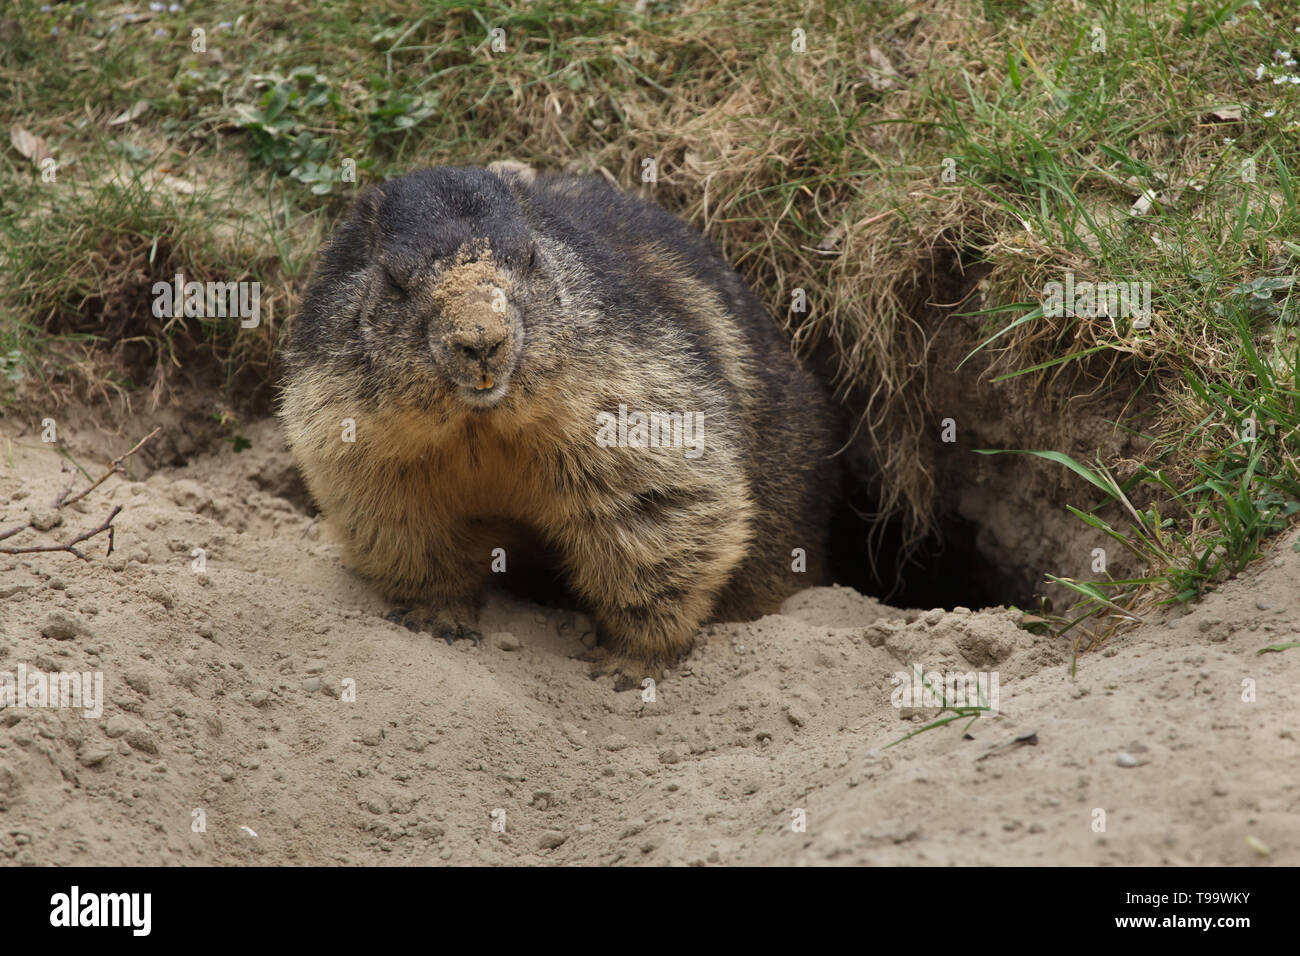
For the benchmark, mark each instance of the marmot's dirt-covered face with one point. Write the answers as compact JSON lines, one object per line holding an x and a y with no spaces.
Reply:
{"x":477,"y":331}
{"x":452,"y":272}
{"x":470,"y":315}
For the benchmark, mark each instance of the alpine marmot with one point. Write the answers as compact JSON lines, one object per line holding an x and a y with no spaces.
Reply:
{"x":494,"y":359}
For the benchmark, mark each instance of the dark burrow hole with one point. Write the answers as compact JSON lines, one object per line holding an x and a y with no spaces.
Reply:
{"x":945,"y":569}
{"x":951,"y":566}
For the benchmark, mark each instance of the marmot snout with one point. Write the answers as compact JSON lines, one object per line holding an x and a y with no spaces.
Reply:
{"x":489,"y":358}
{"x":475,"y":330}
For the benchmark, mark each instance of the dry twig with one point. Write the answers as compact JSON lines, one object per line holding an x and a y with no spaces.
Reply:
{"x":63,"y":500}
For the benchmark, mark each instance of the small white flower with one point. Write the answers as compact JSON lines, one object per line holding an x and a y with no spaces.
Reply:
{"x":1269,"y":113}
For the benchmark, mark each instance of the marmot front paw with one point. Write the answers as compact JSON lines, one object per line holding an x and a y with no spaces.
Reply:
{"x":448,"y":625}
{"x":628,"y":672}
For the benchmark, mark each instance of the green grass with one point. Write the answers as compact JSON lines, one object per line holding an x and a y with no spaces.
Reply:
{"x":1180,"y":116}
{"x":1168,"y":157}
{"x":1246,"y":488}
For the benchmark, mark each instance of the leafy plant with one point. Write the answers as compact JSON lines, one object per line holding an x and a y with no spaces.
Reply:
{"x":396,"y":110}
{"x":282,"y":126}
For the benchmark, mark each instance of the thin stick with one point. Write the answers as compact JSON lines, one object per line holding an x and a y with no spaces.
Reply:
{"x":112,"y":469}
{"x":71,"y":546}
{"x":14,"y":530}
{"x":63,"y":501}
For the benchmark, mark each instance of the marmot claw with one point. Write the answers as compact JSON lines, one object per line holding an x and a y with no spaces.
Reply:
{"x":437,"y":623}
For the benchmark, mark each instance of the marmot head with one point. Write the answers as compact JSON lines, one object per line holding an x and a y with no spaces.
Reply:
{"x":430,"y":282}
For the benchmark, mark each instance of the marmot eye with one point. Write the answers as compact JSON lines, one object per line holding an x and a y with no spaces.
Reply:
{"x":393,"y":282}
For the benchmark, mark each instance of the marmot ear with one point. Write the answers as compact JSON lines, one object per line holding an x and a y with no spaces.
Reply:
{"x":366,"y":216}
{"x":506,"y":168}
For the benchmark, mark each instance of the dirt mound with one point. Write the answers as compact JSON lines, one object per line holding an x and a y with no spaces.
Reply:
{"x":251,"y":686}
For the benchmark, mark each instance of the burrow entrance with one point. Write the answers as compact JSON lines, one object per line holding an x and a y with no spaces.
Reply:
{"x":927,"y":520}
{"x":944,"y":569}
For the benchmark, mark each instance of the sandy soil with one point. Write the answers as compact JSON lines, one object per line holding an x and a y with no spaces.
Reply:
{"x":227,"y":712}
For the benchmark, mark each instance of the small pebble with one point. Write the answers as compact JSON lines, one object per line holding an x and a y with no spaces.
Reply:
{"x":551,"y":839}
{"x":139,"y":682}
{"x":94,"y":757}
{"x":46,"y":520}
{"x":142,"y":740}
{"x":63,"y":627}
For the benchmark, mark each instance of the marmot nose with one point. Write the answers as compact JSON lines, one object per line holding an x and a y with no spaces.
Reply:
{"x":479,"y":347}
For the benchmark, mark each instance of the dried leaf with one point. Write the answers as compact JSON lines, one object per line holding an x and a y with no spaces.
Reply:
{"x":1143,"y":204}
{"x":882,"y":71}
{"x":30,"y":145}
{"x":175,"y":184}
{"x":126,"y":116}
